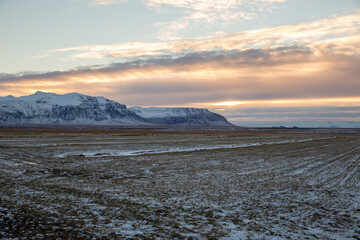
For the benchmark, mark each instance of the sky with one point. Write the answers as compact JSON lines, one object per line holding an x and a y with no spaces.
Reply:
{"x":257,"y":62}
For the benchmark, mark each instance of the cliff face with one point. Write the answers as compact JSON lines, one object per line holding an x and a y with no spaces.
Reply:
{"x":79,"y":109}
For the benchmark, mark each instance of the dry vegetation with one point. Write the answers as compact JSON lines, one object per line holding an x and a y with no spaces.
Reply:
{"x":156,"y":184}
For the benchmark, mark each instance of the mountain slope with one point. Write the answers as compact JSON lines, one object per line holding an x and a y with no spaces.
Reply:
{"x":180,"y":116}
{"x":72,"y":108}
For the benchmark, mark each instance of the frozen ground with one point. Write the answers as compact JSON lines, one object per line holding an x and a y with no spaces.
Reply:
{"x":208,"y":185}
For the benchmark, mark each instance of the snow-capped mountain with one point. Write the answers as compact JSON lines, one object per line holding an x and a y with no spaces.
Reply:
{"x":180,"y":116}
{"x":72,"y":108}
{"x":79,"y":109}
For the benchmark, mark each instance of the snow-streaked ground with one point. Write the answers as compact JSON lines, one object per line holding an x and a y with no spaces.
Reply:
{"x":179,"y":185}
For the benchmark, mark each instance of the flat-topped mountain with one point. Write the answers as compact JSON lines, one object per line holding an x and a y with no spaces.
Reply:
{"x":72,"y":108}
{"x":180,"y":116}
{"x":79,"y":109}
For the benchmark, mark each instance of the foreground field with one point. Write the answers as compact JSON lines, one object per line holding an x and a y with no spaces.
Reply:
{"x":200,"y":185}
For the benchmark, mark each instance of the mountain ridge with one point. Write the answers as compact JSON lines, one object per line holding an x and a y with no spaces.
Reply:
{"x":79,"y":109}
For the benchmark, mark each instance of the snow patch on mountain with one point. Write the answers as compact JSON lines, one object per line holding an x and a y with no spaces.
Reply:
{"x":49,"y":99}
{"x":180,"y":116}
{"x":160,"y":112}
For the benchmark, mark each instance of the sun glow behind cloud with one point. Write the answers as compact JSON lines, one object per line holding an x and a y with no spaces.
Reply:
{"x":342,"y":101}
{"x":228,"y":103}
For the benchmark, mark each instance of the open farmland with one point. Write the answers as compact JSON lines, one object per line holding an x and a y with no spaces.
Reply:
{"x":160,"y":184}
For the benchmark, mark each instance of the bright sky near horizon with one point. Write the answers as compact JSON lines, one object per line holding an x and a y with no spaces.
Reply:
{"x":258,"y":62}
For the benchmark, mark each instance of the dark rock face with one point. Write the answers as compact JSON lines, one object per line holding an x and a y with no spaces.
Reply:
{"x":11,"y":117}
{"x":93,"y":111}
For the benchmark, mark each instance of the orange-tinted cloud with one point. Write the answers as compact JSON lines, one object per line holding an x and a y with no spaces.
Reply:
{"x":304,"y":61}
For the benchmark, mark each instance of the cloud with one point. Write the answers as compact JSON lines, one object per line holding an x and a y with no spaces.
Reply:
{"x":186,"y":62}
{"x":282,"y":72}
{"x":339,"y":33}
{"x":206,"y":13}
{"x":305,"y":61}
{"x":313,"y":113}
{"x":311,"y":116}
{"x":107,"y":2}
{"x":201,"y":13}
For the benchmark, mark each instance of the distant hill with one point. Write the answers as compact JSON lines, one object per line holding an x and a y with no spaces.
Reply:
{"x":79,"y":109}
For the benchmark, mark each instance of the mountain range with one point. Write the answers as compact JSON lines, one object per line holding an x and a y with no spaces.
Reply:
{"x":79,"y":109}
